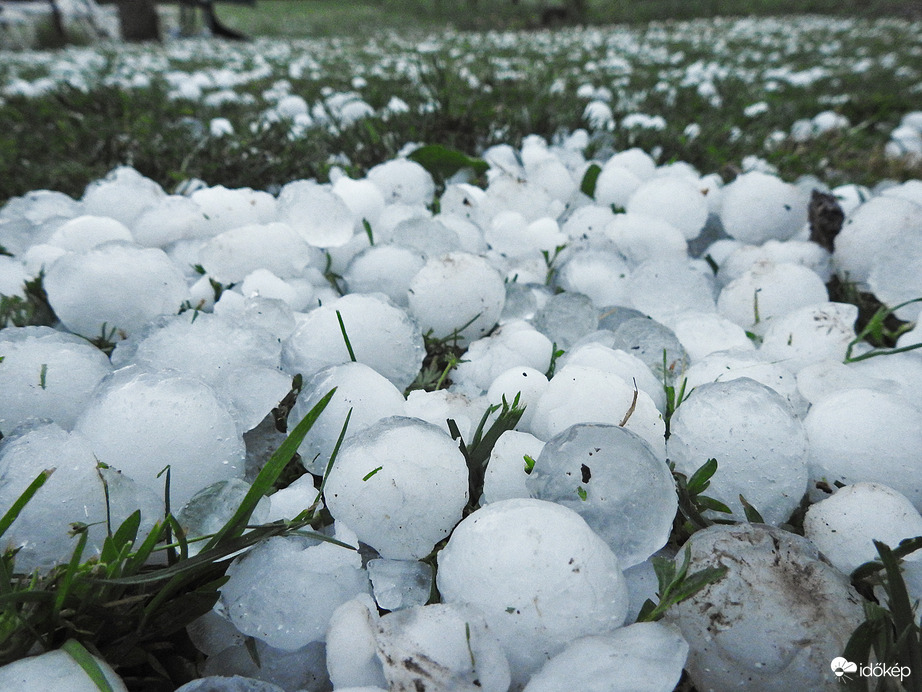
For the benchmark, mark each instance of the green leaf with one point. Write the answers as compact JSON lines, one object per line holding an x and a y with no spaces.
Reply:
{"x":371,"y":473}
{"x":342,"y":328}
{"x":752,"y":514}
{"x":90,"y":666}
{"x":706,"y":502}
{"x":582,"y":493}
{"x":529,"y":463}
{"x":443,"y":162}
{"x":590,"y":178}
{"x":701,"y":478}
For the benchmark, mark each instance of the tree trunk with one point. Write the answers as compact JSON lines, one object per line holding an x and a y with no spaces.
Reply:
{"x":138,"y":20}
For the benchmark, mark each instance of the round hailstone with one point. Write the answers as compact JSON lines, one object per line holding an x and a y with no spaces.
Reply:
{"x":675,"y":200}
{"x":540,"y":576}
{"x":364,"y":199}
{"x":845,"y":526}
{"x":639,"y":162}
{"x":403,"y":181}
{"x":774,"y":621}
{"x":600,"y":275}
{"x":386,"y":269}
{"x":231,"y":255}
{"x":895,"y":277}
{"x":316,"y":213}
{"x":640,"y":238}
{"x":222,"y":209}
{"x":628,"y":367}
{"x":664,"y":288}
{"x":810,"y":335}
{"x":769,"y":290}
{"x":224,"y":683}
{"x":458,"y":293}
{"x":56,"y":670}
{"x":900,"y":371}
{"x":505,"y":475}
{"x":86,"y":232}
{"x":439,"y":406}
{"x":649,"y":651}
{"x":566,"y":318}
{"x":704,"y":333}
{"x":588,"y":223}
{"x":46,"y":374}
{"x":615,"y":185}
{"x":859,"y":435}
{"x":401,"y":485}
{"x":426,"y":236}
{"x":611,"y":478}
{"x":352,"y":647}
{"x":724,"y":366}
{"x":122,"y":195}
{"x":760,"y":447}
{"x":172,"y":218}
{"x":578,"y":394}
{"x":118,"y":285}
{"x":523,"y":384}
{"x":266,"y":584}
{"x":142,"y":422}
{"x":648,"y":339}
{"x":444,"y":646}
{"x":261,"y":283}
{"x":876,"y":226}
{"x":757,"y":207}
{"x":367,"y":394}
{"x":381,"y":335}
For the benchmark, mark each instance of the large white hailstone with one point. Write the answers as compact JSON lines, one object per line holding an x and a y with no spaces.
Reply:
{"x":141,"y":422}
{"x":565,"y":318}
{"x":769,"y":290}
{"x":618,"y":362}
{"x":759,"y":445}
{"x":352,"y":647}
{"x":664,"y":288}
{"x":278,"y":670}
{"x":118,"y":285}
{"x":316,"y":213}
{"x":441,"y":405}
{"x":381,"y":335}
{"x":612,"y":479}
{"x":734,"y":363}
{"x":85,"y":232}
{"x":223,"y":209}
{"x":46,"y":374}
{"x":809,"y":335}
{"x":774,"y":621}
{"x":675,"y":200}
{"x":639,"y":162}
{"x":821,"y":379}
{"x":367,"y":394}
{"x":540,"y":576}
{"x":73,"y":493}
{"x":578,"y":394}
{"x":588,"y":223}
{"x":552,"y":176}
{"x":615,"y":185}
{"x":646,"y":651}
{"x":284,"y":590}
{"x":458,"y":293}
{"x":401,"y":485}
{"x":844,"y":527}
{"x":757,"y":207}
{"x":600,"y":275}
{"x":172,"y":218}
{"x":56,"y":670}
{"x":399,"y":584}
{"x":470,"y":235}
{"x":525,"y":384}
{"x":640,"y":238}
{"x":704,"y":333}
{"x":444,"y":646}
{"x":403,"y":181}
{"x":850,"y":197}
{"x":900,"y":371}
{"x":860,"y":435}
{"x":873,"y":228}
{"x":262,"y":283}
{"x":805,"y":253}
{"x":386,"y":269}
{"x":213,"y":506}
{"x":229,"y":683}
{"x":505,"y":475}
{"x":364,"y":199}
{"x":123,"y":195}
{"x":895,"y":277}
{"x":231,"y":255}
{"x":462,"y":200}
{"x":648,"y":340}
{"x":510,"y":234}
{"x":910,"y":189}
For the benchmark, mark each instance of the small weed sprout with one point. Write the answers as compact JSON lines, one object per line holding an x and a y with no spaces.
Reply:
{"x":876,"y":331}
{"x":675,"y":586}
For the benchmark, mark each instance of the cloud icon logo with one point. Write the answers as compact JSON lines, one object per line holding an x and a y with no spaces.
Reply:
{"x":840,"y":666}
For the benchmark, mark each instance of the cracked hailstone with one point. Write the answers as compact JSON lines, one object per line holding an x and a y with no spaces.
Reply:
{"x":538,"y":573}
{"x":401,"y":485}
{"x":611,"y":478}
{"x":774,"y":621}
{"x":759,"y":444}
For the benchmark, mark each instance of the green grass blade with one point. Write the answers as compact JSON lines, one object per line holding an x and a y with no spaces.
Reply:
{"x":90,"y":666}
{"x":342,"y":328}
{"x":63,"y":590}
{"x":590,"y":178}
{"x":23,"y":500}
